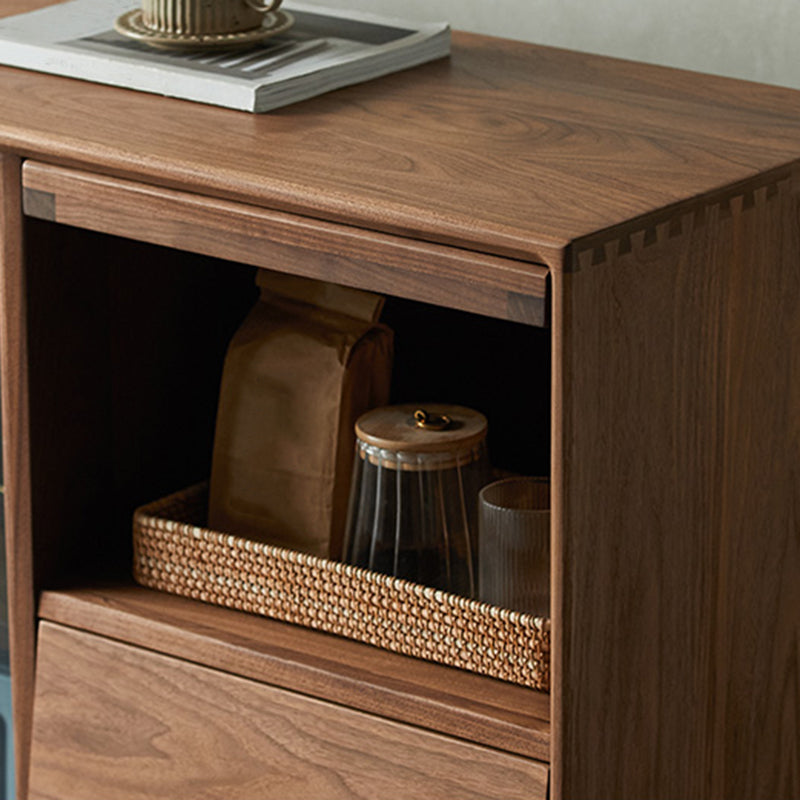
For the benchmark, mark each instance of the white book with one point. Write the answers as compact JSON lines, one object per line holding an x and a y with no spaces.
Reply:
{"x":325,"y":49}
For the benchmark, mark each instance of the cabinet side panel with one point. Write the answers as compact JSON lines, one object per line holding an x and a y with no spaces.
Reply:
{"x":677,"y":536}
{"x":16,"y":458}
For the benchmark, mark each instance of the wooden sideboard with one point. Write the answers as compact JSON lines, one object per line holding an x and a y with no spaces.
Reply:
{"x":603,"y":256}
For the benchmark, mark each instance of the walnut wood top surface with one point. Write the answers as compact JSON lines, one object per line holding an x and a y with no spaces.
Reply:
{"x":507,"y":148}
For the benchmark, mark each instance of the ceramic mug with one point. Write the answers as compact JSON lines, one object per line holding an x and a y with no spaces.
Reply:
{"x":204,"y":17}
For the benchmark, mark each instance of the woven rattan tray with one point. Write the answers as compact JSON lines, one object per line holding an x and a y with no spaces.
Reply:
{"x":174,"y":553}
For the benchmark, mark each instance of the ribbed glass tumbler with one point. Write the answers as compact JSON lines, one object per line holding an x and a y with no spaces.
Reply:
{"x":514,"y":544}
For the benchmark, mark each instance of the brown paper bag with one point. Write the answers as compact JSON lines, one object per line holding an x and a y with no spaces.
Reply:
{"x":308,"y":360}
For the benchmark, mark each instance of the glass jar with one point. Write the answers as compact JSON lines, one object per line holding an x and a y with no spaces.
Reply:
{"x":414,"y":497}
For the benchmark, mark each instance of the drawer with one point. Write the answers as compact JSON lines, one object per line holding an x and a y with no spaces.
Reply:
{"x":381,"y":262}
{"x":116,"y":721}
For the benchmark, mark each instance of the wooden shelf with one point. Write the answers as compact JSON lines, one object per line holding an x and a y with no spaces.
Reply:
{"x":432,"y":696}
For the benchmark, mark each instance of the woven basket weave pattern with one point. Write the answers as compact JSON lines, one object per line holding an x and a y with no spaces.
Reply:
{"x":173,"y":553}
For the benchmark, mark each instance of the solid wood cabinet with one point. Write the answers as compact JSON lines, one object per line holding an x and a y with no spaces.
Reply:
{"x":606,"y":254}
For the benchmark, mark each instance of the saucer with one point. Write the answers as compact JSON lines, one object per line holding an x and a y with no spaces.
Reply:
{"x":132,"y":25}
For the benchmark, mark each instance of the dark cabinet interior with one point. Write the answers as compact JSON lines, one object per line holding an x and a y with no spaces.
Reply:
{"x":130,"y":339}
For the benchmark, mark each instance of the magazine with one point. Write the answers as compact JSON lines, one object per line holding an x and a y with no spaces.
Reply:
{"x":324,"y":49}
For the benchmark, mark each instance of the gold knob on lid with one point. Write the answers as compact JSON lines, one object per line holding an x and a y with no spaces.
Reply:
{"x":431,"y":422}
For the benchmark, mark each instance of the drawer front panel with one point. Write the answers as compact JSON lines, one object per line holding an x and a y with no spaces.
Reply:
{"x":119,"y":722}
{"x":382,"y":262}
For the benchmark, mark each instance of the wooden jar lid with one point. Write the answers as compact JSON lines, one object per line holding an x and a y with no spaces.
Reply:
{"x":396,"y":428}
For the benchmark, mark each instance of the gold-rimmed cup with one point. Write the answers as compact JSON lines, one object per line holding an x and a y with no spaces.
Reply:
{"x":204,"y":17}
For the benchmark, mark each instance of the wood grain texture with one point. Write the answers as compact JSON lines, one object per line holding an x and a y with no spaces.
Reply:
{"x":16,"y":460}
{"x":388,"y":264}
{"x":505,"y":148}
{"x":119,"y":722}
{"x":677,"y":478}
{"x":443,"y":699}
